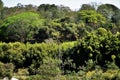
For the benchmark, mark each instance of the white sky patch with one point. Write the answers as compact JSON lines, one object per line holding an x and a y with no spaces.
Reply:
{"x":70,"y":3}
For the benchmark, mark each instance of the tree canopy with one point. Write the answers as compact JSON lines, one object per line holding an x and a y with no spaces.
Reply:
{"x":21,"y":27}
{"x":91,"y":17}
{"x":107,"y":10}
{"x":51,"y":42}
{"x":1,"y":5}
{"x":87,"y":7}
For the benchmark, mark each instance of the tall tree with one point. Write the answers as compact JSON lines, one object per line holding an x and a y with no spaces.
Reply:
{"x":1,"y":5}
{"x":116,"y":18}
{"x":87,"y":7}
{"x":108,"y":10}
{"x":91,"y":18}
{"x":21,"y":27}
{"x":53,"y":11}
{"x":48,"y":11}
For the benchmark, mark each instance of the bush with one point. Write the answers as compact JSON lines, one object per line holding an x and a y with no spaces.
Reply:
{"x":99,"y":46}
{"x":32,"y":56}
{"x":6,"y":70}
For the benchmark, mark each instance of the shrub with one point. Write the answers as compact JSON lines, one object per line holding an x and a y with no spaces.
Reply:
{"x":33,"y":56}
{"x":99,"y":46}
{"x":6,"y":70}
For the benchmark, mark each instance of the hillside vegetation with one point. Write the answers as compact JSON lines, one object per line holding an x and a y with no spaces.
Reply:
{"x":51,"y":42}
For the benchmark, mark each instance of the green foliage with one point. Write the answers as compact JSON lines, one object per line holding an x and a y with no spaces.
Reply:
{"x":22,"y":23}
{"x":91,"y":17}
{"x":88,"y":56}
{"x":21,"y":27}
{"x":50,"y":68}
{"x":64,"y":30}
{"x":1,"y":5}
{"x":6,"y":70}
{"x":43,"y":34}
{"x":35,"y":57}
{"x":52,"y":11}
{"x":22,"y":72}
{"x":49,"y":11}
{"x":87,"y":7}
{"x":53,"y":59}
{"x":1,"y":8}
{"x":111,"y":13}
{"x":100,"y":46}
{"x":107,"y":10}
{"x":116,"y":19}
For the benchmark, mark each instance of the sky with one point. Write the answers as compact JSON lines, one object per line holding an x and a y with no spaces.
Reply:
{"x":74,"y":5}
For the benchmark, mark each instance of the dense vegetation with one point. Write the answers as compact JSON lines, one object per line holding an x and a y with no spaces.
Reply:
{"x":51,"y":42}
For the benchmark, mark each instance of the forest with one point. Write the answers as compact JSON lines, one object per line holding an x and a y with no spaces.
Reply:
{"x":53,"y":42}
